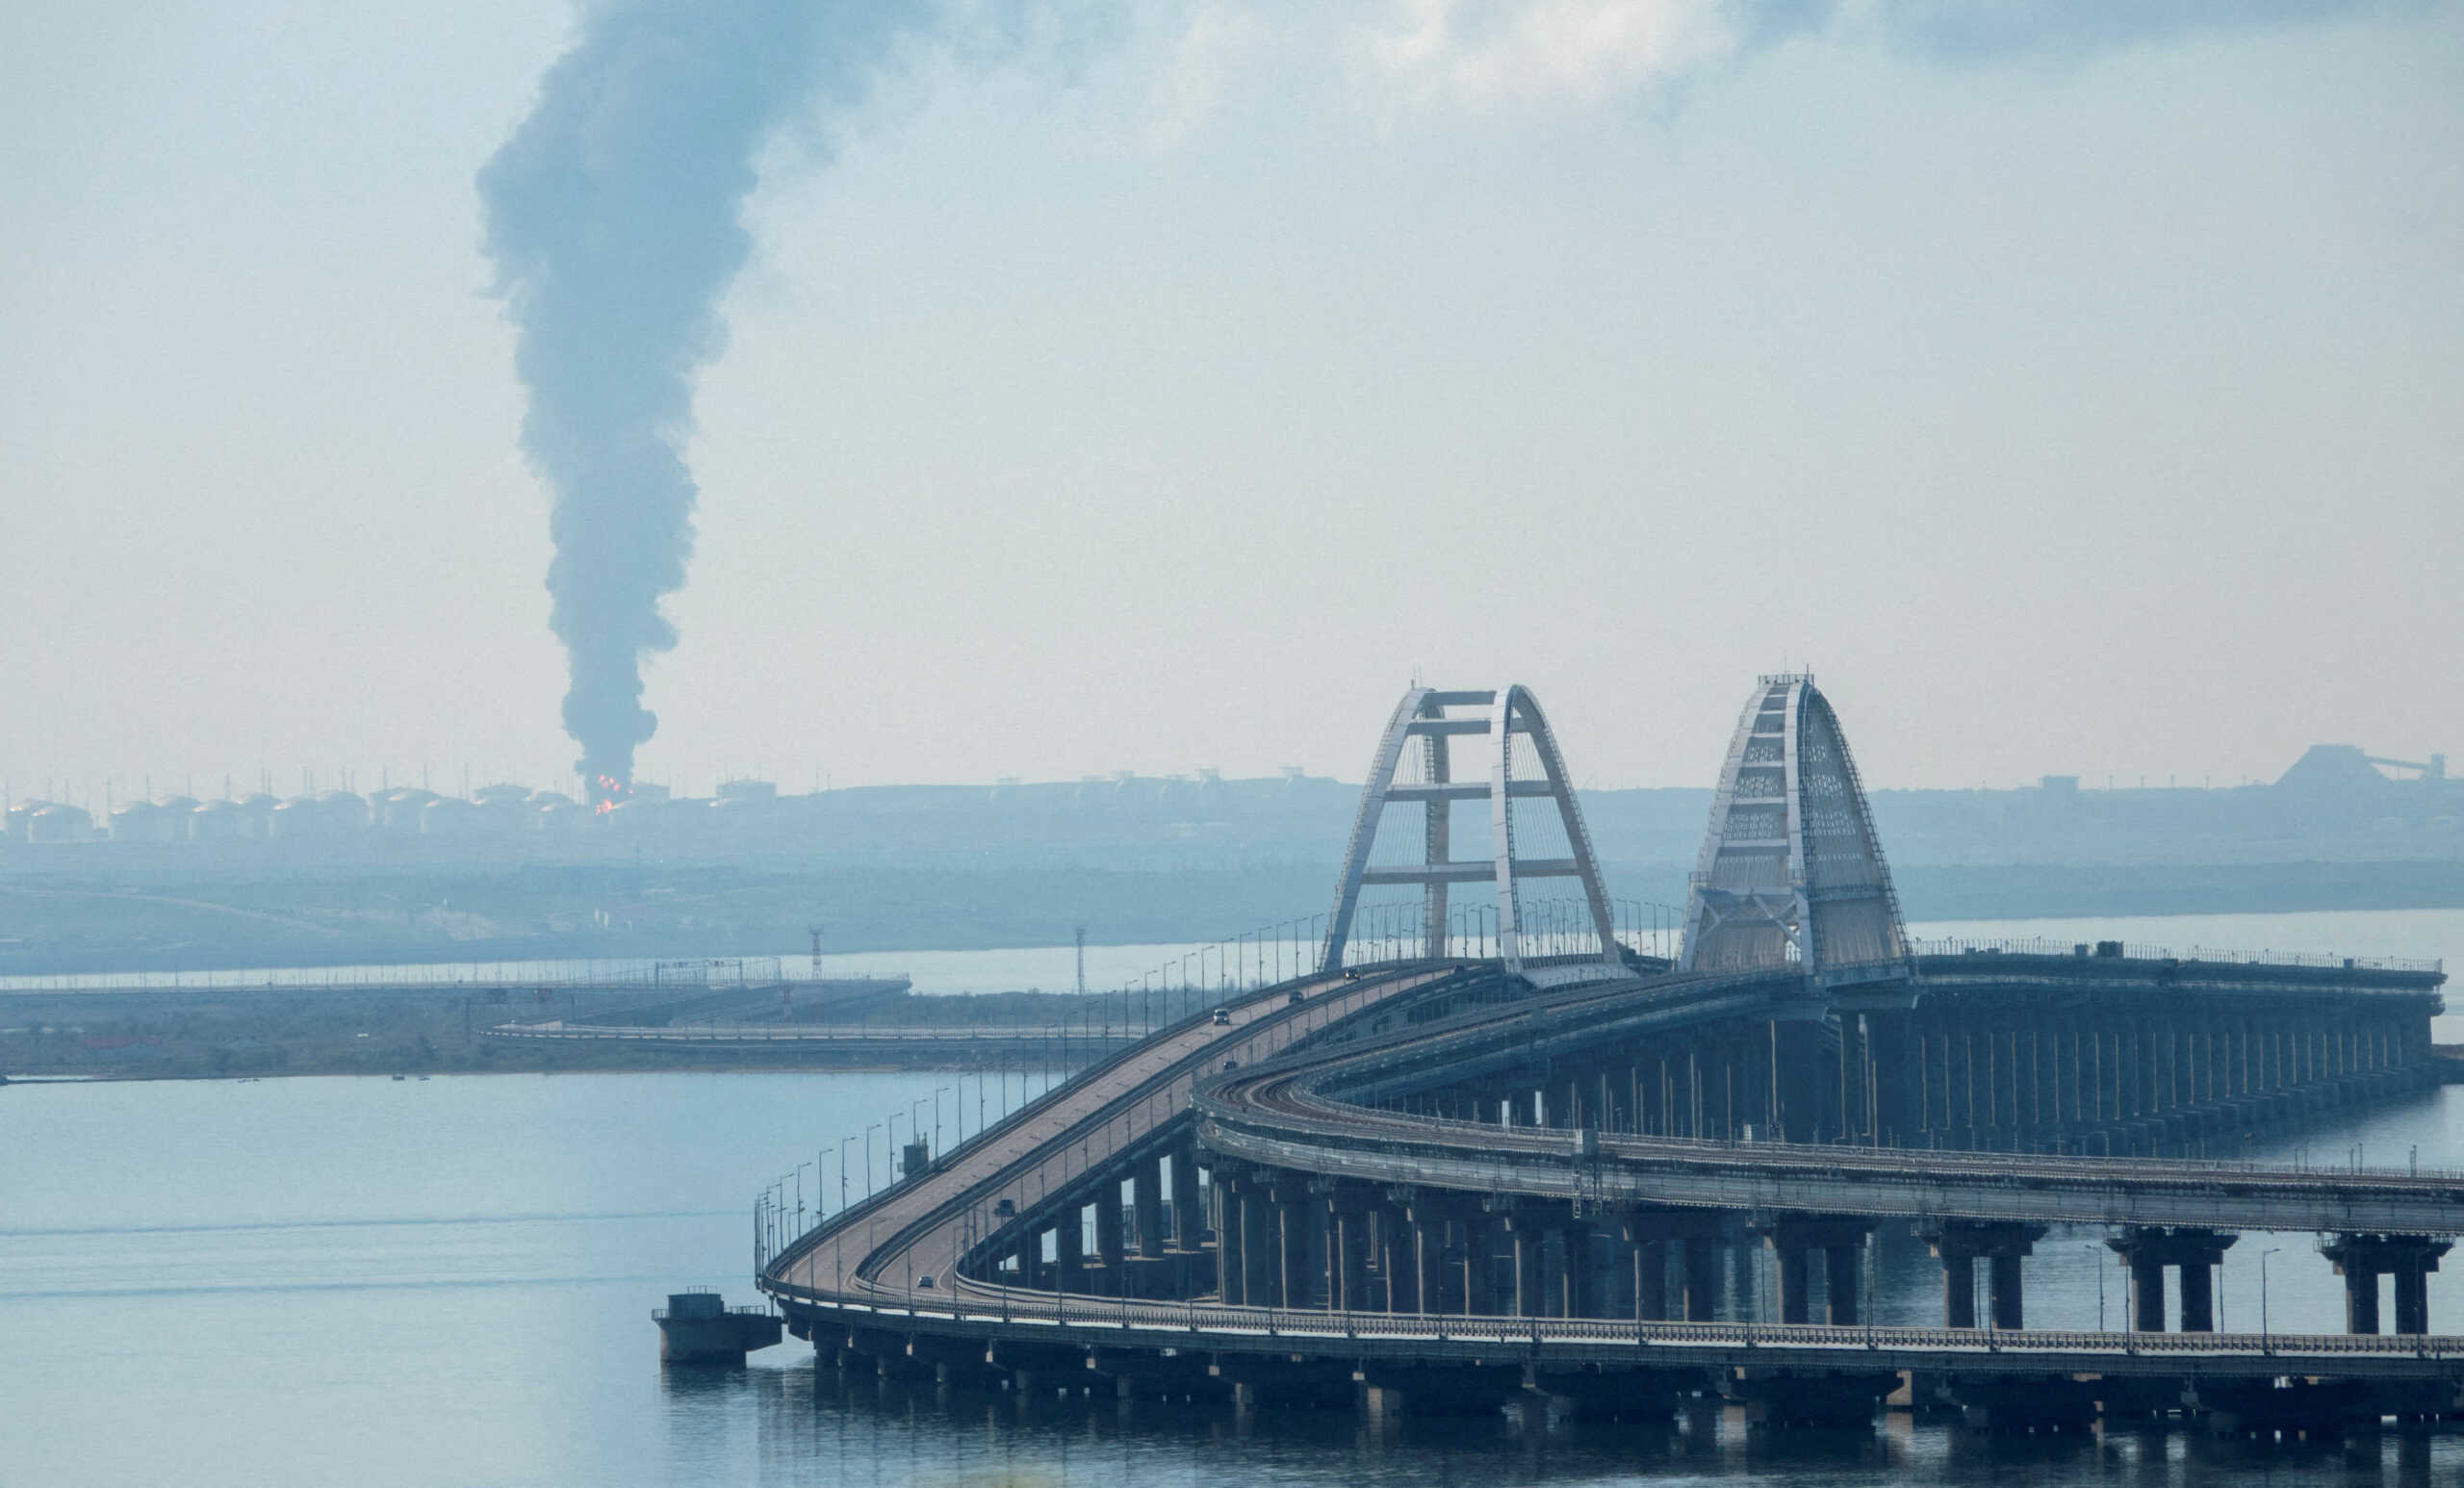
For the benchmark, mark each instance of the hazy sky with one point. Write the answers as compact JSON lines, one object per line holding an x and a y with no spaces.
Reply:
{"x":1164,"y":386}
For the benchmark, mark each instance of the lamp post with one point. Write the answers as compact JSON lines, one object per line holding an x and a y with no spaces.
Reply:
{"x":2099,"y":1264}
{"x":2263,"y":1297}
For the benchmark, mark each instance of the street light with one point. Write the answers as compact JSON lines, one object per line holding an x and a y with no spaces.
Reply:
{"x":2100,"y":1286}
{"x":2262,"y":1295}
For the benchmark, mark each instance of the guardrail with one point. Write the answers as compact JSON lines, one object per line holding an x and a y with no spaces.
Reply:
{"x":2313,"y":960}
{"x":812,"y":1033}
{"x":1010,"y":1306}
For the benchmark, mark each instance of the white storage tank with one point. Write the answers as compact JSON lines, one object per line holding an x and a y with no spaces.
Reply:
{"x":342,"y":810}
{"x":60,"y":823}
{"x":138,"y":821}
{"x":218,"y":821}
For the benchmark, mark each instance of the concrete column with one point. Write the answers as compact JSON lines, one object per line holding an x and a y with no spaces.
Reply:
{"x":1580,"y":1289}
{"x":2003,"y":1243}
{"x":1843,"y":1281}
{"x":2146,"y":1294}
{"x":1792,"y":1098}
{"x":1187,"y":1217}
{"x":1798,"y":1241}
{"x":1702,"y":1277}
{"x":2147,"y":1250}
{"x":2362,"y":1259}
{"x":1292,"y":1214}
{"x":1428,"y":1262}
{"x":1959,"y":1291}
{"x":1231,"y":1266}
{"x":1261,"y":1248}
{"x":1651,"y":1279}
{"x":1108,"y":1230}
{"x":1889,"y":1078}
{"x":1794,"y":1303}
{"x":2412,"y":1297}
{"x":1351,"y":1267}
{"x":2361,"y":1299}
{"x":1926,"y":1088}
{"x":1148,"y":1204}
{"x":1479,"y":1265}
{"x":2003,"y":1290}
{"x":1526,"y":1237}
{"x":1848,"y":1077}
{"x":1069,"y":1250}
{"x":1399,"y":1241}
{"x":1959,"y":1083}
{"x":2199,"y":1297}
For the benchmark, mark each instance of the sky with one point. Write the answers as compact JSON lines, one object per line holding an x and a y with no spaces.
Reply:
{"x":2072,"y":387}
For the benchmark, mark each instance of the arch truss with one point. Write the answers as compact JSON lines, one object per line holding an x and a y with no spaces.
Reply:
{"x":1432,"y":721}
{"x":1791,"y":870}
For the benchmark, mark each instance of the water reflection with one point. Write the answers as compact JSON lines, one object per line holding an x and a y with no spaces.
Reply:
{"x":817,"y":1426}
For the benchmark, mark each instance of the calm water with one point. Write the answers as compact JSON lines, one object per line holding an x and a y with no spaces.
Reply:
{"x":446,"y":1282}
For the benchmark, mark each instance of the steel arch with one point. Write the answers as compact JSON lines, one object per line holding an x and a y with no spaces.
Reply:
{"x":1791,"y":869}
{"x":1503,"y":712}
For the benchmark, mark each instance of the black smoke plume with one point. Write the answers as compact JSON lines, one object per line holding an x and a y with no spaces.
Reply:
{"x":612,"y":216}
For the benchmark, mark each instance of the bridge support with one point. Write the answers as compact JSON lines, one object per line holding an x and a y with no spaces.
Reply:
{"x":2362,"y":1259}
{"x":1829,"y":1400}
{"x":2147,"y":1250}
{"x":1147,"y":1204}
{"x":2002,"y":1244}
{"x":1528,"y":1230}
{"x":1108,"y":1233}
{"x":1069,"y":1250}
{"x":1796,"y":1241}
{"x":1189,"y":1215}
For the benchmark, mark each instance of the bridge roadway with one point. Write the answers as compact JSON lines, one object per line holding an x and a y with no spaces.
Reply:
{"x":859,"y":1275}
{"x":1054,"y":1035}
{"x":873,"y":1251}
{"x":1287,"y":1116}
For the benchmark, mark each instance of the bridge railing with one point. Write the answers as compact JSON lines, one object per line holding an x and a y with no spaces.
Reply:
{"x":985,"y":1303}
{"x":650,"y":973}
{"x":2111,"y":950}
{"x":1390,"y":931}
{"x":1180,"y":992}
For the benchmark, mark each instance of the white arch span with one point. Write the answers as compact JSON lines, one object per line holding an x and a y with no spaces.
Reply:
{"x":1429,"y":716}
{"x":1791,"y":870}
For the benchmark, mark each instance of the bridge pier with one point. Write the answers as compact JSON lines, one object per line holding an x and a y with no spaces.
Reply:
{"x":2361,"y":1259}
{"x":1147,"y":1206}
{"x":1189,"y":1215}
{"x":2147,"y":1250}
{"x":1069,"y":1250}
{"x":1293,"y":1216}
{"x":1795,"y":1240}
{"x":1230,"y":1275}
{"x":1604,"y":1393}
{"x":1434,"y":1389}
{"x":1526,"y":1230}
{"x":1830,"y":1400}
{"x":1108,"y":1232}
{"x":1347,"y":1252}
{"x":2023,"y":1403}
{"x":1957,"y":1244}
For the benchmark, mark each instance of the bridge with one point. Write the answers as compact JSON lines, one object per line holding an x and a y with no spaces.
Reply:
{"x":1438,"y":1180}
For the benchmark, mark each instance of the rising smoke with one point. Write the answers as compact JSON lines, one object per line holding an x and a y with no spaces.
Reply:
{"x":612,"y":216}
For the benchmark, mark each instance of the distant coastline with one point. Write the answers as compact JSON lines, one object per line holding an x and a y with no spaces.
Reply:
{"x":78,"y":925}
